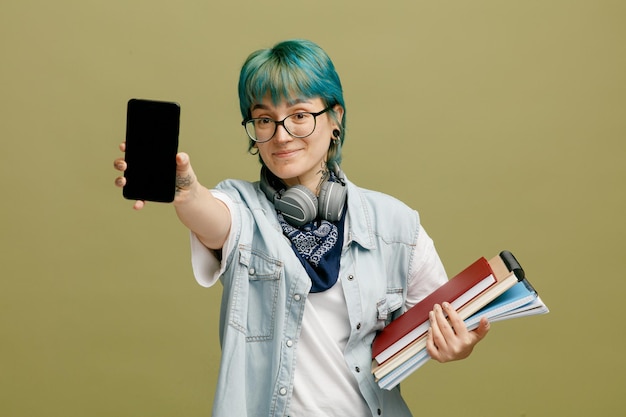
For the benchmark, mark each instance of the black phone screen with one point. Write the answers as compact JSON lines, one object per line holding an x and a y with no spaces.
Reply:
{"x":151,"y":145}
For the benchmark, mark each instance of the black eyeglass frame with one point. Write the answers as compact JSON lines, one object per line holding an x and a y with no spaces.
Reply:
{"x":282,"y":123}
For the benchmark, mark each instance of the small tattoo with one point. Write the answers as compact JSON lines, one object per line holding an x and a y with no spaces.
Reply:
{"x":324,"y":176}
{"x":183,"y":183}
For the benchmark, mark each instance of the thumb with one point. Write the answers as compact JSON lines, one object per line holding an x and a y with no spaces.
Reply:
{"x":482,"y":329}
{"x":184,"y":173}
{"x":182,"y":163}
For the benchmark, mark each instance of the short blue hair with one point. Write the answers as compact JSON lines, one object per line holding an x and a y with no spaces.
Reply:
{"x":292,"y":69}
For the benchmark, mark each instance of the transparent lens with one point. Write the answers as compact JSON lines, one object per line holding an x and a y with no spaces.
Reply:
{"x":261,"y":130}
{"x":300,"y":124}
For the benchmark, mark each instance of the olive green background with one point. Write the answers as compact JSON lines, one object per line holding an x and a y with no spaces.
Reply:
{"x":502,"y":122}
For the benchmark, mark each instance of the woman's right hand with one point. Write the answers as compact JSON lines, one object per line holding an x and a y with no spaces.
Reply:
{"x":185,"y":177}
{"x":203,"y":214}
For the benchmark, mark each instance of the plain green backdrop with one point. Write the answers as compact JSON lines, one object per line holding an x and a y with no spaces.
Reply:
{"x":502,"y":122}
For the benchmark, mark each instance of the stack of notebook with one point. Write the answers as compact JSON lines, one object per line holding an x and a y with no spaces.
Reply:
{"x":496,"y":289}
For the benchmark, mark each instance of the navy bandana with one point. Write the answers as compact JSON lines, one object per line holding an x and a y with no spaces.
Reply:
{"x":318,"y":246}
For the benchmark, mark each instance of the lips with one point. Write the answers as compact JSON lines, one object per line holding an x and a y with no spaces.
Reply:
{"x":286,"y":153}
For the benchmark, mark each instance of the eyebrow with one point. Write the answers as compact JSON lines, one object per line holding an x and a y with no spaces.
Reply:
{"x":289,"y":104}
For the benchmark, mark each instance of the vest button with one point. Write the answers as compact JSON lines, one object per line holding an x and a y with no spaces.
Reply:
{"x":282,"y":391}
{"x":297,"y":297}
{"x":350,"y":277}
{"x":251,"y":271}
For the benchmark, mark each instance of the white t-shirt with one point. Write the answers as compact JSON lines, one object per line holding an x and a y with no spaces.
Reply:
{"x":323,"y":383}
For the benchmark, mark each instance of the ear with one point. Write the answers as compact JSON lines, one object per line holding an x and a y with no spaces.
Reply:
{"x":339,"y":112}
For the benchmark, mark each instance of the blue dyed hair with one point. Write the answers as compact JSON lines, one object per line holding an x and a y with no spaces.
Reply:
{"x":292,"y":69}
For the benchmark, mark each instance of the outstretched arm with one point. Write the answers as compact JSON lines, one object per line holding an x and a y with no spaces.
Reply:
{"x":197,"y":209}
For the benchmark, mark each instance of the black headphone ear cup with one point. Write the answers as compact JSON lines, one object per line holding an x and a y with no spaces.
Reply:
{"x":332,"y":200}
{"x":298,"y":205}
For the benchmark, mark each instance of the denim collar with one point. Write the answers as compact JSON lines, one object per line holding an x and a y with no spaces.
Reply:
{"x":359,"y":220}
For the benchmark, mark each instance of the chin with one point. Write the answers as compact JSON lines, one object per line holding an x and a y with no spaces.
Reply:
{"x":285,"y":173}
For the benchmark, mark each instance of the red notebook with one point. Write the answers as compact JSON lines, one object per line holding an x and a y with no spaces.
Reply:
{"x":458,"y":291}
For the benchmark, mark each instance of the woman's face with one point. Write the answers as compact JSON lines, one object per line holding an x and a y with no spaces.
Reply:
{"x":296,"y":160}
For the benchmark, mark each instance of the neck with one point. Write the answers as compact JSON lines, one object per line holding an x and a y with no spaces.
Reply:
{"x":312,"y":182}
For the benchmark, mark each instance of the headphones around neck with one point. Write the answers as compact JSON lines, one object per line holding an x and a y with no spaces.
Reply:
{"x":299,"y":205}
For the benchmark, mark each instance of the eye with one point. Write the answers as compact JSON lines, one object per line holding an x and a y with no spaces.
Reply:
{"x":263,"y":121}
{"x":300,"y":117}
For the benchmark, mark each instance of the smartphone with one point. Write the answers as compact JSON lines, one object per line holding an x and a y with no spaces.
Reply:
{"x":151,"y":145}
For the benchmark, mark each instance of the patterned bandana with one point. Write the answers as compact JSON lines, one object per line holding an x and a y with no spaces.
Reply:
{"x":316,"y":245}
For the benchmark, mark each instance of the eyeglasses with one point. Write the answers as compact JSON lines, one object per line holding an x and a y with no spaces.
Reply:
{"x":299,"y":125}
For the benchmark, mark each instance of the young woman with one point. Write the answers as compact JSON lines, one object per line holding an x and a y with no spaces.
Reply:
{"x":312,"y":266}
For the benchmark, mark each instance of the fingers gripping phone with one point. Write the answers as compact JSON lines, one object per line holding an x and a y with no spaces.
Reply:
{"x":151,"y":145}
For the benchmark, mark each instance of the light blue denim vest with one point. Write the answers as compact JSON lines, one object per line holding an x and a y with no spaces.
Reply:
{"x":265,"y":288}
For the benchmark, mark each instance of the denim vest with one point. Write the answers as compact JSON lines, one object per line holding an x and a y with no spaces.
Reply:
{"x":265,"y":288}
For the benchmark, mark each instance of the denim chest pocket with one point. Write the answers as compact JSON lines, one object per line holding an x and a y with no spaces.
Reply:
{"x":388,"y":305}
{"x":255,"y":296}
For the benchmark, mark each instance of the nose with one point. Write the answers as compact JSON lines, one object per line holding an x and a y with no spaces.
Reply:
{"x":281,"y":134}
